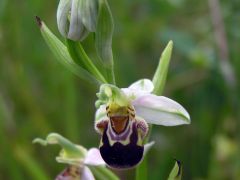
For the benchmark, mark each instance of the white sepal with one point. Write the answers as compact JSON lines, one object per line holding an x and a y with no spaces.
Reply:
{"x":147,"y":147}
{"x":94,"y":158}
{"x":160,"y":110}
{"x":101,"y":113}
{"x":139,"y":88}
{"x":87,"y":174}
{"x":145,"y":85}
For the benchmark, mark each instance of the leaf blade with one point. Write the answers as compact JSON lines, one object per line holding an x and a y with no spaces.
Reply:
{"x":62,"y":55}
{"x":103,"y":38}
{"x":160,"y":76}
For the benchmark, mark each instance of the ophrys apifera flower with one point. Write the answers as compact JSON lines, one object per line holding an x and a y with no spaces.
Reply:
{"x":122,"y":118}
{"x":78,"y":158}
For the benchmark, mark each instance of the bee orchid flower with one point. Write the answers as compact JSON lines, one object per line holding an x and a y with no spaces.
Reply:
{"x":78,"y":158}
{"x":122,"y":119}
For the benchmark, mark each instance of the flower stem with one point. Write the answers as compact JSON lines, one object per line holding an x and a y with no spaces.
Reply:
{"x":102,"y":173}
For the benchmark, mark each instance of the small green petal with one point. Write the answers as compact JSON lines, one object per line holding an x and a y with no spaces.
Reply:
{"x":40,"y":141}
{"x":160,"y":75}
{"x":70,"y":150}
{"x":147,"y":147}
{"x":176,"y":173}
{"x":110,"y":93}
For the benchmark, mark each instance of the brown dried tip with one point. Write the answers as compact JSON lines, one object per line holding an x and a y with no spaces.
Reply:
{"x":179,"y":167}
{"x":39,"y":21}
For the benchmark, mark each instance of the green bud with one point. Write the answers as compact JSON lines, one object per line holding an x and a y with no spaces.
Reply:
{"x":75,"y":18}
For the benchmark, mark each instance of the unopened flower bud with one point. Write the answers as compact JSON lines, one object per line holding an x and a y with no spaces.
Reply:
{"x":76,"y":18}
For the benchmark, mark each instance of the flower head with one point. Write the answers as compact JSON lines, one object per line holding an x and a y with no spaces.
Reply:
{"x":78,"y":158}
{"x":122,"y":117}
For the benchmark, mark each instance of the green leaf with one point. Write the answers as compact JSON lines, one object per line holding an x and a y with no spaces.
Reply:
{"x":160,"y":76}
{"x":3,"y":6}
{"x":176,"y":173}
{"x":31,"y":165}
{"x":102,"y":173}
{"x":103,"y":38}
{"x":80,"y":57}
{"x":62,"y":54}
{"x":142,"y":170}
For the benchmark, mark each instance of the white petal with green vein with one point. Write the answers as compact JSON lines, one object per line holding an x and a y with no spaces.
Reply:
{"x":161,"y":110}
{"x":139,"y":88}
{"x":145,"y":85}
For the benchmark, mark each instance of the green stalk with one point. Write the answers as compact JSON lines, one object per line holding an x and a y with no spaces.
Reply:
{"x":142,"y":171}
{"x":102,"y":173}
{"x":80,"y":57}
{"x":159,"y":80}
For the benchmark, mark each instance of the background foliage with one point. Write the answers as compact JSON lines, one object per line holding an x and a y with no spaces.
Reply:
{"x":38,"y":95}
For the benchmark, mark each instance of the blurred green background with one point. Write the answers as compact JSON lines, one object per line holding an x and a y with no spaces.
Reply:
{"x":38,"y":95}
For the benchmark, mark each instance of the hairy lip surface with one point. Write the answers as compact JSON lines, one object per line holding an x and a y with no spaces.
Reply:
{"x":121,"y":156}
{"x":119,"y":123}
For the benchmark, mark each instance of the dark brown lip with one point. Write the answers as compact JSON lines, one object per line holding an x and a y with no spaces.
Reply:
{"x":119,"y":117}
